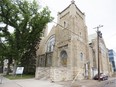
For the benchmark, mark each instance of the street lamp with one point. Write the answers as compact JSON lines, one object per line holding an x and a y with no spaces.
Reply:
{"x":99,"y":35}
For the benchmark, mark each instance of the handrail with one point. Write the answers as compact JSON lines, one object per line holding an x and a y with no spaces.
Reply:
{"x":77,"y":75}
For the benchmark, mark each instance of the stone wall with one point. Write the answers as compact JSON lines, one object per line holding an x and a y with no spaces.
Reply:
{"x":61,"y":74}
{"x":42,"y":72}
{"x":57,"y":73}
{"x":54,"y":74}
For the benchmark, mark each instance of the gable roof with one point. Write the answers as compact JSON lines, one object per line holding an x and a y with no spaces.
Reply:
{"x":72,"y":2}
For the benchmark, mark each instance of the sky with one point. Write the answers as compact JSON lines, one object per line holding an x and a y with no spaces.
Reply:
{"x":98,"y":12}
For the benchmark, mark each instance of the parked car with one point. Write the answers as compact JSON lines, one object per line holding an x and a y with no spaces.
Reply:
{"x":102,"y":77}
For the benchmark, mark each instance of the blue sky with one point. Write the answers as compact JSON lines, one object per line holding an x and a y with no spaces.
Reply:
{"x":98,"y":12}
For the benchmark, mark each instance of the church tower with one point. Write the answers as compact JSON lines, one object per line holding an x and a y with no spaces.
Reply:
{"x":64,"y":52}
{"x":71,"y":40}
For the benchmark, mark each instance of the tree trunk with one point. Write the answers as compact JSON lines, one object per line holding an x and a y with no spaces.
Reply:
{"x":8,"y":68}
{"x":14,"y":68}
{"x":9,"y":63}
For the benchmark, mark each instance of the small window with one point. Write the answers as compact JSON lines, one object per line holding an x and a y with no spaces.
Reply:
{"x":80,"y":33}
{"x":81,"y":56}
{"x":64,"y":24}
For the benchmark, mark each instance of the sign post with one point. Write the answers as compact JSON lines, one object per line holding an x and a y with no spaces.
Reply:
{"x":1,"y":77}
{"x":19,"y":70}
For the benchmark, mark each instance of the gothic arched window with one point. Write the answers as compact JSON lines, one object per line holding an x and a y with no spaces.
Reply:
{"x":63,"y":55}
{"x":50,"y":44}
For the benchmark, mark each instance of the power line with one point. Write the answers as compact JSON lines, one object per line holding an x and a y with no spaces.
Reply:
{"x":66,"y":28}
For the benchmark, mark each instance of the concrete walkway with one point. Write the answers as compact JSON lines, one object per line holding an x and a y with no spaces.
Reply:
{"x":46,"y":83}
{"x":28,"y":83}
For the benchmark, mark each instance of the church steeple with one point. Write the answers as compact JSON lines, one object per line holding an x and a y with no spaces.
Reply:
{"x":72,"y":10}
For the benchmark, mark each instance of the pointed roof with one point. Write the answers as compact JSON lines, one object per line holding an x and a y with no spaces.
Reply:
{"x":72,"y":2}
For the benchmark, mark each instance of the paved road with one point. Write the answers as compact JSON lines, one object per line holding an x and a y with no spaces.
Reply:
{"x":91,"y":83}
{"x":109,"y":83}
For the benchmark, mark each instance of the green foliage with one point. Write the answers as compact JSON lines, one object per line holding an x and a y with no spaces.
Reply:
{"x":28,"y":22}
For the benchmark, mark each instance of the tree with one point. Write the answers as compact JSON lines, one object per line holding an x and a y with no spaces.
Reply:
{"x":1,"y":53}
{"x":6,"y":49}
{"x":28,"y":22}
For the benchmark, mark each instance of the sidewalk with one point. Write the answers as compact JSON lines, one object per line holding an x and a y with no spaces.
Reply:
{"x":28,"y":83}
{"x":47,"y":83}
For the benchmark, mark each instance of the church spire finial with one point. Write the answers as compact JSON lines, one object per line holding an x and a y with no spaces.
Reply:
{"x":72,"y":1}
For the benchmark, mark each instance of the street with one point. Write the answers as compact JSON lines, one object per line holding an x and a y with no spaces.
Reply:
{"x":106,"y":83}
{"x":111,"y":83}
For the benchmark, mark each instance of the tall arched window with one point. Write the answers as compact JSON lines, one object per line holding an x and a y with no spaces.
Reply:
{"x":63,"y":55}
{"x":50,"y":44}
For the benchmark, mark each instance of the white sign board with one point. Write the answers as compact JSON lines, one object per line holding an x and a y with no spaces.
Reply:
{"x":19,"y":70}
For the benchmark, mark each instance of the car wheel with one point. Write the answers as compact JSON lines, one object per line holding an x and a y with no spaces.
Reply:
{"x":103,"y":78}
{"x":107,"y":78}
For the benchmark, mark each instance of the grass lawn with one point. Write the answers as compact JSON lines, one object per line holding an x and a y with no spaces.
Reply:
{"x":11,"y":77}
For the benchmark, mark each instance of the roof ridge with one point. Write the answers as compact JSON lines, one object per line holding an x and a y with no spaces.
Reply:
{"x":72,"y":2}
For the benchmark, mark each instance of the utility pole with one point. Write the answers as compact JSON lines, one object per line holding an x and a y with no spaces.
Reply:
{"x":99,"y":35}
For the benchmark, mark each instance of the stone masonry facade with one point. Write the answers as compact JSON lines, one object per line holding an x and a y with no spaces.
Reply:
{"x":66,"y":52}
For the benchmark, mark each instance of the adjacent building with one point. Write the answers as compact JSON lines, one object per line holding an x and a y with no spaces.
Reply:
{"x":105,"y":65}
{"x":112,"y":58}
{"x":66,"y":54}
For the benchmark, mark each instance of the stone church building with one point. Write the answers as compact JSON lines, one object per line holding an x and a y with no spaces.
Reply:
{"x":66,"y":53}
